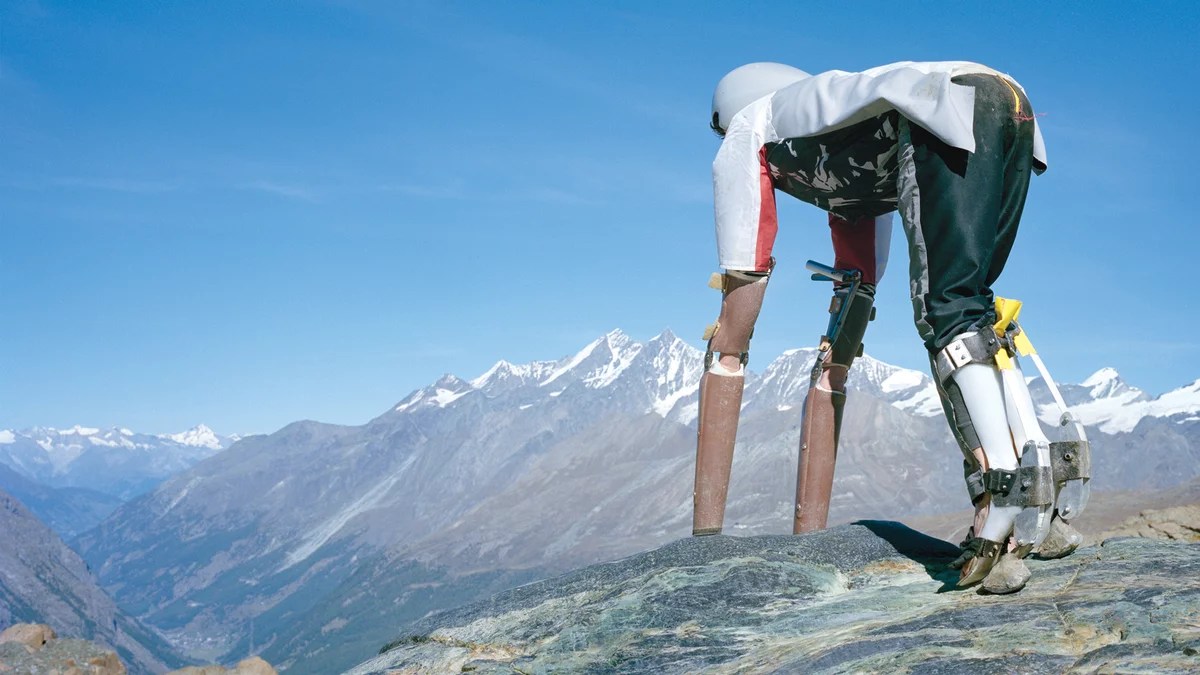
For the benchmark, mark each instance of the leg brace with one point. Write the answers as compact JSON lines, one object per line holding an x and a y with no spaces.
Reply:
{"x":721,"y":397}
{"x":1013,"y":489}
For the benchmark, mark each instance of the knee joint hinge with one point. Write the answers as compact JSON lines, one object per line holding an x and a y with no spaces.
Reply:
{"x":743,"y":358}
{"x":1024,"y":486}
{"x":975,"y":347}
{"x":1071,"y":460}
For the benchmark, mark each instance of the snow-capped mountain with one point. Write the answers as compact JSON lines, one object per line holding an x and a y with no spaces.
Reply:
{"x":312,"y":532}
{"x":1106,"y":402}
{"x":667,"y":376}
{"x":116,"y":461}
{"x":200,"y":436}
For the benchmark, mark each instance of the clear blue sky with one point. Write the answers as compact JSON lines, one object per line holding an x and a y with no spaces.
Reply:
{"x":248,"y":213}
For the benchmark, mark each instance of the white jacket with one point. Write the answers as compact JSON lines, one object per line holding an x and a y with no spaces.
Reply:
{"x":922,"y":92}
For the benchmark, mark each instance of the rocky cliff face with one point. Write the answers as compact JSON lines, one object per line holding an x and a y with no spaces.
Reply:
{"x":868,"y":597}
{"x":43,"y":581}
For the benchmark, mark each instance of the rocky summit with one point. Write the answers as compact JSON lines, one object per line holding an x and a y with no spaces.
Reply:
{"x":872,"y":596}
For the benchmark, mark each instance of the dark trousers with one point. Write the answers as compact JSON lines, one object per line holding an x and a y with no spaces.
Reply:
{"x":961,"y":210}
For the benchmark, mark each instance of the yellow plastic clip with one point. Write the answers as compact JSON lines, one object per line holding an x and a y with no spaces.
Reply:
{"x":711,"y":330}
{"x":1007,"y":311}
{"x":717,"y":282}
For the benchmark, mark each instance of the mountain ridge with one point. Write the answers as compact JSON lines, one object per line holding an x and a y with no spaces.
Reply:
{"x":529,"y":468}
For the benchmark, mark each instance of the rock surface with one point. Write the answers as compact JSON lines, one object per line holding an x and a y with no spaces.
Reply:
{"x":34,"y":635}
{"x":871,"y":597}
{"x":1178,"y":523}
{"x":33,"y":648}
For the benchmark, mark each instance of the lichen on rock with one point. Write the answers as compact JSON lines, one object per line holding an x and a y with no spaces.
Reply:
{"x":872,"y":596}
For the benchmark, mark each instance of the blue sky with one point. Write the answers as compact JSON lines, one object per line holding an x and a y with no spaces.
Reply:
{"x":249,"y":213}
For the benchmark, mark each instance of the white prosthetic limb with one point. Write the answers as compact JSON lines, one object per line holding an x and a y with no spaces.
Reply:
{"x":1070,"y":457}
{"x":1032,"y":524}
{"x":983,"y":396}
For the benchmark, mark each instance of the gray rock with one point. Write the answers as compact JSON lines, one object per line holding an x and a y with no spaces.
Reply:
{"x":1180,"y":523}
{"x":867,"y":597}
{"x":67,"y":656}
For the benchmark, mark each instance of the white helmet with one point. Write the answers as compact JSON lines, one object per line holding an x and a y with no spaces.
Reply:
{"x":745,"y":85}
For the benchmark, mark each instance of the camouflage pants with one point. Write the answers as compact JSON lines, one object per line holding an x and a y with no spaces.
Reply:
{"x":960,"y":209}
{"x":850,"y":172}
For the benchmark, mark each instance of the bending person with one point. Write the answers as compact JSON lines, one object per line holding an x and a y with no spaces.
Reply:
{"x":952,"y":147}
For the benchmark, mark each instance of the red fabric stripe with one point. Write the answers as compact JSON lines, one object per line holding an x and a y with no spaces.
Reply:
{"x":768,"y":221}
{"x":854,"y":245}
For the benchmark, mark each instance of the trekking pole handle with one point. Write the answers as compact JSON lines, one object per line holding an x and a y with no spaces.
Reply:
{"x":827,"y":273}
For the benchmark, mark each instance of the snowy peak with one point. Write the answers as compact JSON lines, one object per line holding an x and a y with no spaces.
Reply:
{"x":1107,"y":383}
{"x":77,"y":431}
{"x":447,"y":390}
{"x":662,"y":374}
{"x":611,"y":359}
{"x":199,"y":436}
{"x":1106,"y":401}
{"x":1101,"y":377}
{"x":784,"y":383}
{"x":675,"y":367}
{"x":117,"y":461}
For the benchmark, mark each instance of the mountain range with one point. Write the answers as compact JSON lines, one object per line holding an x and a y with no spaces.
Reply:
{"x":74,"y":478}
{"x":311,"y":544}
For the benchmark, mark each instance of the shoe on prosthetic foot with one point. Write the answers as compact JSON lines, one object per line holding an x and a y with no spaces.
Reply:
{"x":1014,"y":488}
{"x":850,"y":311}
{"x":1061,"y":542}
{"x":721,"y":396}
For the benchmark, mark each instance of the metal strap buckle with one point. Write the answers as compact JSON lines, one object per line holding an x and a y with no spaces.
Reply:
{"x":999,"y":481}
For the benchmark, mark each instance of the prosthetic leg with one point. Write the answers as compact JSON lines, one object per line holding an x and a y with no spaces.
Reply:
{"x":850,"y":310}
{"x":1014,"y":484}
{"x":721,"y":395}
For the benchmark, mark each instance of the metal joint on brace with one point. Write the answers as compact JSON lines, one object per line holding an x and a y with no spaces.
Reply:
{"x":743,"y":358}
{"x":1008,"y":341}
{"x":1025,"y":486}
{"x":1071,"y":460}
{"x":975,"y":347}
{"x":999,"y":481}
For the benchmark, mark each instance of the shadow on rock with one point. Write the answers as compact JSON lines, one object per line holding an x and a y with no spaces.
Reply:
{"x":931,"y":553}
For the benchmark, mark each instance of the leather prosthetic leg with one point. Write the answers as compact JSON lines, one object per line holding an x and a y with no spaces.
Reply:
{"x":851,"y":309}
{"x":721,"y":395}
